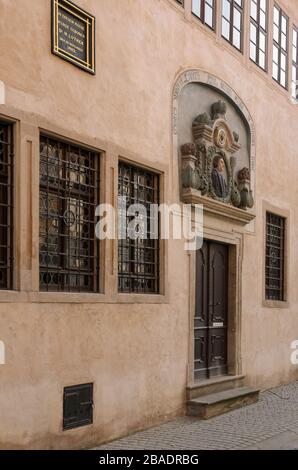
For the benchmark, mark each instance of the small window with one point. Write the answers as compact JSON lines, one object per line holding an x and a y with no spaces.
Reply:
{"x":69,"y":190}
{"x":295,"y":64}
{"x":205,"y":11}
{"x":232,"y":22}
{"x":77,"y":406}
{"x":181,"y":2}
{"x":258,"y":32}
{"x":138,"y":257}
{"x":280,"y":47}
{"x":6,"y":206}
{"x":275,"y":247}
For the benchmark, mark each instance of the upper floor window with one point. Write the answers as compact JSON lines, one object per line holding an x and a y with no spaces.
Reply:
{"x":295,"y":64}
{"x":258,"y":32}
{"x":275,"y":257}
{"x":138,"y":253}
{"x":232,"y":22}
{"x":69,"y":195}
{"x":6,"y":206}
{"x":205,"y":11}
{"x":280,"y":47}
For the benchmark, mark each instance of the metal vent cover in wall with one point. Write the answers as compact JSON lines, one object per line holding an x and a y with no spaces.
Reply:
{"x":77,"y":406}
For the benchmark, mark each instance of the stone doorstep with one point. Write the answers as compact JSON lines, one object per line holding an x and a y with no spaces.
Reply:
{"x":215,"y":404}
{"x":217,"y":384}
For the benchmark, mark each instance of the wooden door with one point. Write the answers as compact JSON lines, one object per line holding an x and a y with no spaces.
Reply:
{"x":211,"y":313}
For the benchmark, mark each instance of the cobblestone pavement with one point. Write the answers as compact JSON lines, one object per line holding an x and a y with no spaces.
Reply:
{"x":272,"y":423}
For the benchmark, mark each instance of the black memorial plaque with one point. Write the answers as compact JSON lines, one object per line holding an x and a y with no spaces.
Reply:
{"x":73,"y":34}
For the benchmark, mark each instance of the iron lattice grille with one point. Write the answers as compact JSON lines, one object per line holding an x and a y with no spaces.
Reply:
{"x":138,"y":259}
{"x":275,"y":233}
{"x":6,"y":206}
{"x":69,"y":188}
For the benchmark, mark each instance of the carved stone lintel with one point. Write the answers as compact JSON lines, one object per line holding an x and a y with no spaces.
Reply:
{"x":217,"y":208}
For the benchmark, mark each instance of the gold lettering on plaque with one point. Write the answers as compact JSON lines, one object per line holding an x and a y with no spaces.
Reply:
{"x":73,"y":34}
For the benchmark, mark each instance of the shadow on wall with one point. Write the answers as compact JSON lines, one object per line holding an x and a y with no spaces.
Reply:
{"x":2,"y":93}
{"x":2,"y":353}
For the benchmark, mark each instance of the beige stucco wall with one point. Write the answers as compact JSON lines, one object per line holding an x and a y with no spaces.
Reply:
{"x":135,"y":351}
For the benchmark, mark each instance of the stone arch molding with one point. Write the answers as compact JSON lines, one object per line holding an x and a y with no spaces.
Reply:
{"x":201,"y":77}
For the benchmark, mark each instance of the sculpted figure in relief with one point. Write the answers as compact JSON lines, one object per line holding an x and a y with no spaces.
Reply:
{"x":218,"y":179}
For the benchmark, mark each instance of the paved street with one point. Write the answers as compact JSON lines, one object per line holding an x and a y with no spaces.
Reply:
{"x":272,"y":423}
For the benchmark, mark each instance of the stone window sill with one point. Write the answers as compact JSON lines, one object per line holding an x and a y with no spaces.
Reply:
{"x":276,"y":304}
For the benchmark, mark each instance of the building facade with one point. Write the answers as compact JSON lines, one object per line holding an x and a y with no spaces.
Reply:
{"x":174,"y":102}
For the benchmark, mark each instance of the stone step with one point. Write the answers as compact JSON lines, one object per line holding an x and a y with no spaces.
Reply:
{"x":215,"y":404}
{"x":217,"y":384}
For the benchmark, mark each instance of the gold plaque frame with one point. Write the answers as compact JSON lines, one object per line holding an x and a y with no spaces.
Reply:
{"x":89,"y":45}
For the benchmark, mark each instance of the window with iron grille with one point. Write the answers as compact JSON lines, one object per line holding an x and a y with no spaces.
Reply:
{"x":205,"y":11}
{"x":69,"y":189}
{"x":258,"y":32}
{"x":280,"y":47}
{"x":275,"y":246}
{"x":138,"y":257}
{"x":232,"y":22}
{"x":295,"y":64}
{"x":6,"y":206}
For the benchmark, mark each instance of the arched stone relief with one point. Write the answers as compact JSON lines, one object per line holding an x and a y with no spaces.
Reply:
{"x":210,"y":169}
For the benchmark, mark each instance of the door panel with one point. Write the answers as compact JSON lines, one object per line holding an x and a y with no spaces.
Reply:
{"x":217,"y":358}
{"x":202,"y":293}
{"x":201,"y":354}
{"x":201,"y":318}
{"x":211,"y":310}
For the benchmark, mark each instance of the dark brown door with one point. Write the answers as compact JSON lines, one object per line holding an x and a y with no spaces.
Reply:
{"x":211,"y":315}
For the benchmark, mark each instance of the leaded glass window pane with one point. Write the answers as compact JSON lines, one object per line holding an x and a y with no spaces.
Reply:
{"x":205,"y":11}
{"x":280,"y":47}
{"x":69,"y":187}
{"x":231,"y":22}
{"x":6,"y":206}
{"x":138,"y":257}
{"x":275,"y":241}
{"x":295,"y":64}
{"x":258,"y":32}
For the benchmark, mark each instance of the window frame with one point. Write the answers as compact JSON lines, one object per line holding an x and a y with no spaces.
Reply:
{"x":280,"y":49}
{"x":282,"y":301}
{"x":202,"y":18}
{"x":294,"y":64}
{"x":9,"y":221}
{"x":259,"y":29}
{"x":96,"y":248}
{"x":158,"y":249}
{"x":234,"y":5}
